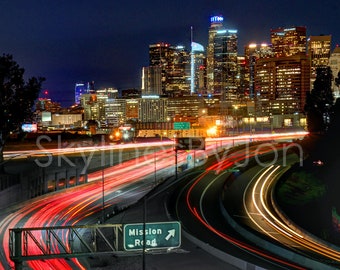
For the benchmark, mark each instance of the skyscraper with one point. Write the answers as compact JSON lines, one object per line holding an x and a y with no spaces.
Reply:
{"x":174,"y":63}
{"x":152,"y":80}
{"x":221,"y":59}
{"x":197,"y":75}
{"x":288,"y":41}
{"x":252,"y":53}
{"x":334,"y":63}
{"x":82,"y":88}
{"x":282,"y":81}
{"x":319,"y":51}
{"x":281,"y":84}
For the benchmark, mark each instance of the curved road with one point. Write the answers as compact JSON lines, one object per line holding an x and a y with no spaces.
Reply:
{"x":83,"y":204}
{"x":249,"y":200}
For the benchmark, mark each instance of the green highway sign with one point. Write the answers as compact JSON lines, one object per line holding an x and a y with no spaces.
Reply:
{"x":156,"y":235}
{"x":181,"y":125}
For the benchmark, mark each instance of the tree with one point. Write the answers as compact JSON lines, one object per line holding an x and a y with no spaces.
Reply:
{"x":319,"y":102}
{"x":16,"y":98}
{"x":337,"y":80}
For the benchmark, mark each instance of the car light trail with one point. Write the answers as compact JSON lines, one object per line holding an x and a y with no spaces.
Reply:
{"x":73,"y":205}
{"x":259,"y":195}
{"x":200,"y":216}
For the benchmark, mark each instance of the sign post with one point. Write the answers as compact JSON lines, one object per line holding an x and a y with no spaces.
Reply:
{"x":156,"y":235}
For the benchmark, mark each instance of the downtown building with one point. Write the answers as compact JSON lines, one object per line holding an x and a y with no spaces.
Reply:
{"x":222,"y":60}
{"x":82,"y":88}
{"x":168,"y":72}
{"x":319,"y":52}
{"x":198,"y":64}
{"x":334,"y":64}
{"x":282,"y":81}
{"x":252,"y":53}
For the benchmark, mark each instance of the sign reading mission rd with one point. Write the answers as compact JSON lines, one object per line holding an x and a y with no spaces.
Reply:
{"x":157,"y":235}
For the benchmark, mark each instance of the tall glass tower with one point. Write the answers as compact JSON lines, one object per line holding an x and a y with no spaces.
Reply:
{"x":222,"y":67}
{"x":197,"y":62}
{"x":80,"y":89}
{"x":174,"y":65}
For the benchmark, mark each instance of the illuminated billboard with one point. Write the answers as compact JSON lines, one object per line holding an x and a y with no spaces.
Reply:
{"x":29,"y":127}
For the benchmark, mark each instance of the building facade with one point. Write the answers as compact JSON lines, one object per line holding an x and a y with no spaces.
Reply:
{"x":252,"y":53}
{"x":288,"y":41}
{"x":222,"y":68}
{"x":152,"y":109}
{"x":82,"y":88}
{"x":281,"y":74}
{"x":197,"y":69}
{"x":152,"y":80}
{"x":174,"y":65}
{"x":319,"y":51}
{"x":281,"y":84}
{"x":334,"y":63}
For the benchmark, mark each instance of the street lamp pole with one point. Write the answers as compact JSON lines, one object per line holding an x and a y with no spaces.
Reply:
{"x":176,"y":173}
{"x":155,"y":167}
{"x":103,"y":195}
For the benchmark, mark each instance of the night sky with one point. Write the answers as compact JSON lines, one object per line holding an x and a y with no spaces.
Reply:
{"x":106,"y":41}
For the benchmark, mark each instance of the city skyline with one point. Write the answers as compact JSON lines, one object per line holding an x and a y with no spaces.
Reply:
{"x":108,"y":42}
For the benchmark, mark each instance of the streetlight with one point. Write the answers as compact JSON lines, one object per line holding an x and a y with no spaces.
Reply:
{"x":154,"y":158}
{"x":103,"y":195}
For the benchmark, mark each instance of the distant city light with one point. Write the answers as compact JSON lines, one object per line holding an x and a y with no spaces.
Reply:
{"x":151,"y":96}
{"x":215,"y":19}
{"x":221,"y":31}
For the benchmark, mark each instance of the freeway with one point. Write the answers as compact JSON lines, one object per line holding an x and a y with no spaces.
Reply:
{"x":248,"y":202}
{"x":82,"y":204}
{"x":203,"y":217}
{"x":121,"y":184}
{"x":265,"y":216}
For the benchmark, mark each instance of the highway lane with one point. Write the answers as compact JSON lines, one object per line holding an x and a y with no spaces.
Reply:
{"x":79,"y":204}
{"x":267,"y":218}
{"x":199,"y":209}
{"x":256,"y":211}
{"x":76,"y":205}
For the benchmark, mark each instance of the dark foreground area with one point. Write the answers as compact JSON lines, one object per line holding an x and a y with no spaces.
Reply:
{"x":309,"y":197}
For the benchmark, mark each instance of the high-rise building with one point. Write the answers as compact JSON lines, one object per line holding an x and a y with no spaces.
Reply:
{"x":334,"y":63}
{"x":252,"y":53}
{"x":281,"y":84}
{"x":115,"y":112}
{"x":152,"y":109}
{"x":174,"y":63}
{"x":319,"y":51}
{"x":109,"y":93}
{"x":282,"y":78}
{"x":288,"y":41}
{"x":185,"y":106}
{"x":132,"y":109}
{"x":197,"y":70}
{"x":152,"y":80}
{"x":222,"y":69}
{"x":80,"y":89}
